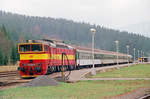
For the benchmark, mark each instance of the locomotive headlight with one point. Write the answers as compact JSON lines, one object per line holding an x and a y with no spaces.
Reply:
{"x":19,"y":68}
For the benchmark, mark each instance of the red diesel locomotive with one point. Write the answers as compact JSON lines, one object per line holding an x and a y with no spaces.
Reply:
{"x":40,"y":57}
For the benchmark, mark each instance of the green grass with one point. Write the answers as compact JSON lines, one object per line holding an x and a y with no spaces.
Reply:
{"x":80,"y":90}
{"x":138,"y":71}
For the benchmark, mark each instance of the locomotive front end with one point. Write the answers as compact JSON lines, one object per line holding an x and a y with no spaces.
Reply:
{"x":33,"y":59}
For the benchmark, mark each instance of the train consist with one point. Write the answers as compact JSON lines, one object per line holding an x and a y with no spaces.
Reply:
{"x":40,"y":57}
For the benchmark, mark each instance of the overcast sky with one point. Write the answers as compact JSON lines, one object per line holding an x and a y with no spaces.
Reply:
{"x":109,"y":13}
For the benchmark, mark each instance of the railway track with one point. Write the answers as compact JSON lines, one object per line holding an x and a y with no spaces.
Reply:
{"x":11,"y":79}
{"x":9,"y":74}
{"x":145,"y":97}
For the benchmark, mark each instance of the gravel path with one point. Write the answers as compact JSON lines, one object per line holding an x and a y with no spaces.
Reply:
{"x":79,"y":74}
{"x":115,"y":79}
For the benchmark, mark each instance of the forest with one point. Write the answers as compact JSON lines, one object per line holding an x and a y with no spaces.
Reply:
{"x":8,"y":48}
{"x":15,"y":28}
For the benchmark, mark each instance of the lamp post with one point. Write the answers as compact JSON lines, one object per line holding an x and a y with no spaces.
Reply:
{"x":138,"y":55}
{"x":141,"y":53}
{"x":141,"y":56}
{"x":127,"y":52}
{"x":93,"y":34}
{"x":134,"y":54}
{"x":117,"y":50}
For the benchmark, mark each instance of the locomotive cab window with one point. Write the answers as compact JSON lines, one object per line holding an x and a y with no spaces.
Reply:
{"x":46,"y":48}
{"x":30,"y":48}
{"x":36,"y":47}
{"x":24,"y":48}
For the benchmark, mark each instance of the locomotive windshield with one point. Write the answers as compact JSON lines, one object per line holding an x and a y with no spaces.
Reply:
{"x":31,"y":48}
{"x":24,"y":48}
{"x":36,"y":47}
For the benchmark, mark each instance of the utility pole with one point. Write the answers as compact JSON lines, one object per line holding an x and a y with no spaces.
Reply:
{"x":134,"y":54}
{"x":141,"y":56}
{"x":127,"y":52}
{"x":138,"y":55}
{"x":117,"y":50}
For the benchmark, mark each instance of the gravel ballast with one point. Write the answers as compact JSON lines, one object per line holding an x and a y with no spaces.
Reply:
{"x":42,"y":81}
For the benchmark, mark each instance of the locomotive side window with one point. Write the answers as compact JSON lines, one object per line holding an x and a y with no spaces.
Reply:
{"x":46,"y":48}
{"x":36,"y":47}
{"x":24,"y":48}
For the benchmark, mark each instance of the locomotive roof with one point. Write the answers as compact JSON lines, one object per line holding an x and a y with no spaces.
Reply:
{"x":51,"y":43}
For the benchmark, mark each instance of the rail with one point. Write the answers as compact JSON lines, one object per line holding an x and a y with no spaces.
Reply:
{"x":145,"y":97}
{"x":8,"y":74}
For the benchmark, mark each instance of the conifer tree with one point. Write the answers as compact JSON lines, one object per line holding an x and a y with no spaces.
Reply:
{"x":13,"y":55}
{"x":5,"y":60}
{"x":6,"y":33}
{"x":1,"y":57}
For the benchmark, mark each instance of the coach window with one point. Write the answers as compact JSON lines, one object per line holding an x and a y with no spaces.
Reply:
{"x":113,"y":56}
